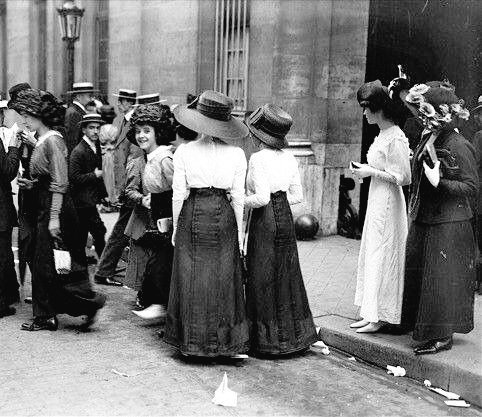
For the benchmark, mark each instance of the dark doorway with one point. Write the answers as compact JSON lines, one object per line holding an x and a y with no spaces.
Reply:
{"x":433,"y":40}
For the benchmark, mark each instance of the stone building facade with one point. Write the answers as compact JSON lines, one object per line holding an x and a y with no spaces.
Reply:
{"x":308,"y":56}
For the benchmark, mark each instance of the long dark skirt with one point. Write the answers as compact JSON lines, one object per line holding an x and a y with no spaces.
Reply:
{"x":206,"y":310}
{"x":52,"y":293}
{"x":278,"y":309}
{"x":8,"y":277}
{"x":440,"y":277}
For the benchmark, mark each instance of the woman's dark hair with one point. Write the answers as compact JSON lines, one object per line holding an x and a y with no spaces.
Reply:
{"x":52,"y":110}
{"x":390,"y":109}
{"x":374,"y":96}
{"x":186,"y":133}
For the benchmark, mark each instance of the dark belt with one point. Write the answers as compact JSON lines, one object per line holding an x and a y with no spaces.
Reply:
{"x":208,"y":191}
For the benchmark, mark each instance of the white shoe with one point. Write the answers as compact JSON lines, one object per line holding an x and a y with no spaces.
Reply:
{"x":371,"y":328}
{"x":358,"y":324}
{"x":154,"y":311}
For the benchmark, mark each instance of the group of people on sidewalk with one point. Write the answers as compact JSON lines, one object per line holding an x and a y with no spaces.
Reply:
{"x":212,"y":247}
{"x":417,"y":267}
{"x":187,"y":189}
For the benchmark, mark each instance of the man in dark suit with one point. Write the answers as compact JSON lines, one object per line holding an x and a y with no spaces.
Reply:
{"x":85,"y":176}
{"x":9,"y":163}
{"x":81,"y":95}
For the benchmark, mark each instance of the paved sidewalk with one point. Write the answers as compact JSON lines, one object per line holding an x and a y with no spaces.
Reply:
{"x":329,"y":268}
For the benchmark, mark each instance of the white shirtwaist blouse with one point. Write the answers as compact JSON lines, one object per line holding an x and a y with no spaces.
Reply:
{"x":272,"y":170}
{"x":209,"y":163}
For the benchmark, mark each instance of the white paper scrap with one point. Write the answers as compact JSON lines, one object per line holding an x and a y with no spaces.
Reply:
{"x":324,"y":349}
{"x":447,"y":394}
{"x":457,"y":403}
{"x":352,"y":358}
{"x":396,"y":370}
{"x":224,"y":396}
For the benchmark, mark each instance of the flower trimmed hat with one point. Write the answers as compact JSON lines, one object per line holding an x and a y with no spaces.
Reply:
{"x":42,"y":105}
{"x":436,"y":104}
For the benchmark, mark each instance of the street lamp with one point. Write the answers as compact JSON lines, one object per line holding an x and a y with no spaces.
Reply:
{"x":70,"y":19}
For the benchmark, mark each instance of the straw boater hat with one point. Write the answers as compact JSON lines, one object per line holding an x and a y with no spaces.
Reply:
{"x":211,"y":114}
{"x":270,"y":124}
{"x":91,"y":118}
{"x":82,"y":88}
{"x":126,"y":94}
{"x":149,"y":99}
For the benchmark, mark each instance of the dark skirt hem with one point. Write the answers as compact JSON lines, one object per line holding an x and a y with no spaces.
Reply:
{"x":270,"y":347}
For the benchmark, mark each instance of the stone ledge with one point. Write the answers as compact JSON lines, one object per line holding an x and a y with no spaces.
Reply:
{"x":463,"y":376}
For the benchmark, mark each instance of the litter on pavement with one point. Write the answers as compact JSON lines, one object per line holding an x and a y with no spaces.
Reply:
{"x":321,"y":345}
{"x":446,"y":394}
{"x":224,"y":396}
{"x":352,"y":358}
{"x":457,"y":403}
{"x":119,"y":373}
{"x":396,"y":370}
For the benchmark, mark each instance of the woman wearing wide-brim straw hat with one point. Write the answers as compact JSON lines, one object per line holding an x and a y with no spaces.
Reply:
{"x":206,"y":309}
{"x":278,"y":309}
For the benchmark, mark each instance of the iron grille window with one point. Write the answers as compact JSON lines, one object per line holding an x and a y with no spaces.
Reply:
{"x":102,"y":43}
{"x":232,"y":50}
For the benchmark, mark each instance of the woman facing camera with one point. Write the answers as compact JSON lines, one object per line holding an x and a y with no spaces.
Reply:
{"x":206,"y":311}
{"x":379,"y":288}
{"x":440,"y":271}
{"x":57,"y":222}
{"x":149,"y":188}
{"x":278,"y":308}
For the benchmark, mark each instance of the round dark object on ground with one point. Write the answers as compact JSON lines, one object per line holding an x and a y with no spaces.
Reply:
{"x":306,"y":226}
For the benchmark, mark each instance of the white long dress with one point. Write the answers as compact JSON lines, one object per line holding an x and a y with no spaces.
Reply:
{"x":380,"y":276}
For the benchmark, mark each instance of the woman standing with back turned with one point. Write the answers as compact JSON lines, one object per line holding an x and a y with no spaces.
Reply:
{"x":278,"y":308}
{"x":206,"y":309}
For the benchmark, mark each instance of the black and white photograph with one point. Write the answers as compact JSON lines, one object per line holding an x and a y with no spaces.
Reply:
{"x":241,"y":208}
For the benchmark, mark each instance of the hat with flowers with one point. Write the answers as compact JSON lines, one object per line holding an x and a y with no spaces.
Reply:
{"x":436,"y":104}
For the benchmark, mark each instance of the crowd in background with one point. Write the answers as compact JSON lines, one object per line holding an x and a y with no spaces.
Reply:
{"x":212,"y":247}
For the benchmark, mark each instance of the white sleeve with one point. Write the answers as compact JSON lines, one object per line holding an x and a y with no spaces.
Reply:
{"x":237,"y":190}
{"x":261,"y":191}
{"x":295,"y":190}
{"x":179,"y":185}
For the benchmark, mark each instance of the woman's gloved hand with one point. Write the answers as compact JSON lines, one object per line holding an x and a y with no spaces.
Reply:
{"x":432,"y":174}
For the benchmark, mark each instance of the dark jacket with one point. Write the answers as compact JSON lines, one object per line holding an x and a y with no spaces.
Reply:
{"x":87,"y":190}
{"x":9,"y":163}
{"x":73,"y":116}
{"x":459,"y":183}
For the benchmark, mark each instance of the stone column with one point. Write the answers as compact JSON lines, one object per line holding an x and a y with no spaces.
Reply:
{"x":125,"y":44}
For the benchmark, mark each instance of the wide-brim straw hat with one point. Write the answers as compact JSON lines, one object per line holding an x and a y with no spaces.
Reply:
{"x":270,"y":124}
{"x":211,"y":114}
{"x":82,"y":88}
{"x":91,"y":118}
{"x":15,"y":90}
{"x":124,"y":93}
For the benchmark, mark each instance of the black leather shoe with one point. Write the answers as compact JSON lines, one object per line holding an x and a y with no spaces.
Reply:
{"x":107,"y":281}
{"x":9,"y":311}
{"x":434,"y":346}
{"x":51,"y":324}
{"x":89,"y":320}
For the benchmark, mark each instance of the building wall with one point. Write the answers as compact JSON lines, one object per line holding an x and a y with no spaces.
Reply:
{"x":306,"y":56}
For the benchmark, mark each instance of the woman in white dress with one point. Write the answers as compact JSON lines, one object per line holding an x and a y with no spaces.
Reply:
{"x":206,"y":310}
{"x":380,"y":276}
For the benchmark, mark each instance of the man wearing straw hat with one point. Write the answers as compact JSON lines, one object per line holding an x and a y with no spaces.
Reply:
{"x":85,"y":177}
{"x":81,"y":93}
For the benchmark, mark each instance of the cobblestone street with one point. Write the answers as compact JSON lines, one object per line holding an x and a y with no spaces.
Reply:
{"x":122,"y":367}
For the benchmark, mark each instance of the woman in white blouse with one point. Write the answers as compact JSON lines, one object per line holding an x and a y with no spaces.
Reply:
{"x":379,"y":289}
{"x":206,"y":309}
{"x":278,"y":309}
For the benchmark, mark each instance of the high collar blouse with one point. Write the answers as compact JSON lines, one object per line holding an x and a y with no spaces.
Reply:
{"x":207,"y":162}
{"x":272,"y":170}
